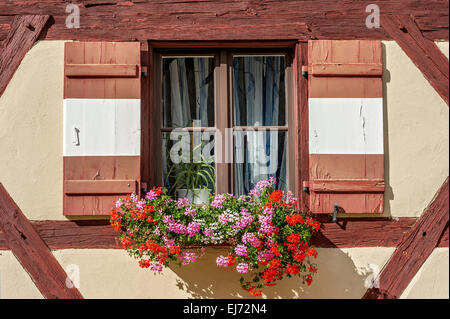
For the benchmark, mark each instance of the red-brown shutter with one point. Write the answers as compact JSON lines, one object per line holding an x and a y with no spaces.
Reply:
{"x":346,"y":126}
{"x":102,"y":90}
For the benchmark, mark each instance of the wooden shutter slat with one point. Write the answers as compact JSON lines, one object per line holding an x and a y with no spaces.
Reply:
{"x":347,"y":186}
{"x":347,"y":69}
{"x":346,"y":161}
{"x":77,"y":187}
{"x":347,"y":166}
{"x":101,"y":70}
{"x":111,"y":53}
{"x":102,"y":125}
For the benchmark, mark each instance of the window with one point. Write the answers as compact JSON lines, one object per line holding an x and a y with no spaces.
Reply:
{"x":224,"y":120}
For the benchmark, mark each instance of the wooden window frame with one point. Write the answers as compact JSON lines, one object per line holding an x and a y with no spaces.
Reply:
{"x":223,"y":90}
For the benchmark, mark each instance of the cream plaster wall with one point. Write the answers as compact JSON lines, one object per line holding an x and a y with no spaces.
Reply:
{"x":106,"y":273}
{"x":113,"y":274}
{"x":416,"y":135}
{"x":432,"y":280}
{"x":31,"y":132}
{"x":14,"y":280}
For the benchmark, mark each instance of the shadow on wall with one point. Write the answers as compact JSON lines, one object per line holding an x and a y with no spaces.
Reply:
{"x":337,"y":278}
{"x":389,"y":194}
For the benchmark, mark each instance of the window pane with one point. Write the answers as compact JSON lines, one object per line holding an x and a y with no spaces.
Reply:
{"x":259,"y":91}
{"x":188,"y":161}
{"x":259,"y":155}
{"x":188,"y":91}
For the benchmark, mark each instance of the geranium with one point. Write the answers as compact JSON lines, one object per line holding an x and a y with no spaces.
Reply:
{"x":276,"y":196}
{"x":241,"y":250}
{"x":175,"y":250}
{"x":294,"y":238}
{"x":270,"y":239}
{"x":242,"y":268}
{"x":222,"y":261}
{"x":294,"y":219}
{"x":190,"y":211}
{"x":266,"y":183}
{"x":154,"y":193}
{"x":193,"y":228}
{"x":292,"y":269}
{"x":250,"y":238}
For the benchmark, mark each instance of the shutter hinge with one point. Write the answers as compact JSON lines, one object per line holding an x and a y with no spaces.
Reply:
{"x":335,"y":212}
{"x":144,"y":71}
{"x":305,"y":71}
{"x":306,"y":187}
{"x":144,"y":188}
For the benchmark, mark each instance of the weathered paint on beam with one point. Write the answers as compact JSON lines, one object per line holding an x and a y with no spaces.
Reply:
{"x":124,"y":20}
{"x":414,"y":249}
{"x":30,"y":250}
{"x":424,"y":53}
{"x":347,"y":233}
{"x":25,"y":30}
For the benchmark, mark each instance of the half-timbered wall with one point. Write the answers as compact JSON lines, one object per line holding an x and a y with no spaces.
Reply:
{"x":416,"y":144}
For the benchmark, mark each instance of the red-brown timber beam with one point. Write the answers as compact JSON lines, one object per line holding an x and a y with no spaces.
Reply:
{"x":423,"y":52}
{"x":301,"y":119}
{"x":24,"y":32}
{"x":414,"y":249}
{"x":31,"y":251}
{"x":347,"y":233}
{"x":208,"y":20}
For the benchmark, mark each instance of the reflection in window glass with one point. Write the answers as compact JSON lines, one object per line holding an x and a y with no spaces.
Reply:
{"x":188,"y":100}
{"x":259,"y":99}
{"x":259,"y":91}
{"x":188,"y":91}
{"x":259,"y":155}
{"x":188,"y":161}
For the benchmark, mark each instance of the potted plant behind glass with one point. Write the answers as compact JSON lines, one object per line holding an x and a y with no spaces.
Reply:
{"x":193,"y":180}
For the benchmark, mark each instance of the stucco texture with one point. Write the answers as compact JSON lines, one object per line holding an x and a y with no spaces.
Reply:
{"x":416,"y":133}
{"x":432,"y":280}
{"x":113,"y":274}
{"x":14,"y":280}
{"x":105,"y":273}
{"x":31,"y":132}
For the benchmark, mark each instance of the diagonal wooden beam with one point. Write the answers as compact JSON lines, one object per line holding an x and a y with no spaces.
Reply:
{"x":414,"y":249}
{"x":31,"y":251}
{"x":423,"y":52}
{"x":24,"y":32}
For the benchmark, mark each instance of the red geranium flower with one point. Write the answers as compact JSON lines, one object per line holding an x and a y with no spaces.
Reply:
{"x":175,"y":250}
{"x":231,"y":261}
{"x":294,"y":238}
{"x":293,"y":269}
{"x":309,"y":280}
{"x":276,"y":196}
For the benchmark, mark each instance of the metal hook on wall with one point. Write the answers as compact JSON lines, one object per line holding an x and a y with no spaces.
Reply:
{"x":76,"y":136}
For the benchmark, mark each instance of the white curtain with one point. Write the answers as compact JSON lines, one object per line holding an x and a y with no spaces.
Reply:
{"x":188,"y":99}
{"x":257,"y":89}
{"x":258,"y":101}
{"x":187,"y":86}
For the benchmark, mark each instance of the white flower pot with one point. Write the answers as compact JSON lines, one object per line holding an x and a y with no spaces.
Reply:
{"x":198,"y":197}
